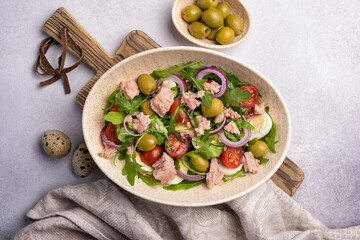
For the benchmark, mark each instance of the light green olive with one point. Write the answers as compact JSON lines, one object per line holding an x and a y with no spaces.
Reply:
{"x":145,"y":108}
{"x":191,"y":13}
{"x":224,"y":9}
{"x":235,"y":23}
{"x":213,"y":32}
{"x":225,"y":35}
{"x":213,"y":18}
{"x":146,"y":142}
{"x":146,"y":83}
{"x":216,"y":108}
{"x":199,"y":30}
{"x":205,"y":4}
{"x":259,"y":148}
{"x":199,"y":163}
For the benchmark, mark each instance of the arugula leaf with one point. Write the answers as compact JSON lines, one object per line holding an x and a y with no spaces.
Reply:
{"x":129,"y":106}
{"x":232,"y":137}
{"x":184,"y":185}
{"x":233,"y":80}
{"x":111,"y":100}
{"x":243,"y":124}
{"x":148,"y":180}
{"x":115,"y":117}
{"x":263,"y":160}
{"x":125,"y":138}
{"x":236,"y":175}
{"x":191,"y":77}
{"x":129,"y":170}
{"x":235,"y":96}
{"x":270,"y":137}
{"x":207,"y":150}
{"x":163,"y":73}
{"x":207,"y":99}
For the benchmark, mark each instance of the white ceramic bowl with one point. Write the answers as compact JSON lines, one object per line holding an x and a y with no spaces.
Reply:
{"x":237,"y":7}
{"x":146,"y":62}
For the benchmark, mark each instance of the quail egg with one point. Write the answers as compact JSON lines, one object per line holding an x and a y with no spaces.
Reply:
{"x":82,"y":162}
{"x":55,"y":143}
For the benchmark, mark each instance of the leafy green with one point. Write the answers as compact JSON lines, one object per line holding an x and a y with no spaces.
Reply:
{"x":175,"y":90}
{"x":129,"y":170}
{"x":184,"y":185}
{"x":233,"y":80}
{"x":263,"y":160}
{"x":129,"y":106}
{"x":232,"y":137}
{"x":161,"y":133}
{"x":111,"y":100}
{"x":236,"y":175}
{"x":164,"y":73}
{"x":243,"y":124}
{"x":207,"y":99}
{"x":124,"y":137}
{"x":115,"y":117}
{"x":235,"y":96}
{"x":270,"y":137}
{"x":148,"y":180}
{"x":207,"y":150}
{"x":187,"y":75}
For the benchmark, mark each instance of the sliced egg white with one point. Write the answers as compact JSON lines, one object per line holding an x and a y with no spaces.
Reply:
{"x":228,"y":171}
{"x":173,"y":84}
{"x":143,"y":165}
{"x":262,"y":125}
{"x":178,"y":179}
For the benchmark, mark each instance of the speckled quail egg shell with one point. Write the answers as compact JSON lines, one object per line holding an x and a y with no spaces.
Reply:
{"x":55,"y":143}
{"x":82,"y":161}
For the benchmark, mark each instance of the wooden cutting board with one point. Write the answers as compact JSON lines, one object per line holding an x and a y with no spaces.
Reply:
{"x":288,"y":177}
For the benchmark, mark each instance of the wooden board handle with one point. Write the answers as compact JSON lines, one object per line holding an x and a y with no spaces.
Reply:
{"x":95,"y":55}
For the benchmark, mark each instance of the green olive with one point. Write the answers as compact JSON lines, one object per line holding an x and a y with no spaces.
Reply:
{"x":235,"y":23}
{"x":225,"y":35}
{"x":213,"y":32}
{"x":146,"y":142}
{"x":199,"y":30}
{"x":199,"y":163}
{"x":205,"y":4}
{"x":191,"y":13}
{"x":212,"y":17}
{"x":145,"y":108}
{"x":259,"y":148}
{"x":146,"y":83}
{"x":224,"y":9}
{"x":216,"y":108}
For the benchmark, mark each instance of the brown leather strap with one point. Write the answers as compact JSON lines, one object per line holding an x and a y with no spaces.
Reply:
{"x":59,"y":72}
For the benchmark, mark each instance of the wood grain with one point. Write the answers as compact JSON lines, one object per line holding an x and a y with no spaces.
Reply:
{"x":288,"y":177}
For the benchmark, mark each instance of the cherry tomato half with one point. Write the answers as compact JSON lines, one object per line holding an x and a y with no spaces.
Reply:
{"x":111,"y":133}
{"x":115,"y":108}
{"x":178,"y":148}
{"x":174,"y":106}
{"x":232,"y":157}
{"x":150,"y":157}
{"x":182,"y":117}
{"x":250,"y":113}
{"x":252,"y":100}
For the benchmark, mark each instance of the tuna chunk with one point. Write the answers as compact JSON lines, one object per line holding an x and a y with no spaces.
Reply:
{"x":130,"y":89}
{"x":214,"y":176}
{"x":229,"y":113}
{"x":251,"y":164}
{"x":232,"y":128}
{"x":219,"y":118}
{"x":259,"y":109}
{"x":187,"y":133}
{"x":163,"y":100}
{"x":212,"y":86}
{"x":204,"y":124}
{"x":141,"y":123}
{"x":190,"y":99}
{"x":164,"y":169}
{"x":107,"y":152}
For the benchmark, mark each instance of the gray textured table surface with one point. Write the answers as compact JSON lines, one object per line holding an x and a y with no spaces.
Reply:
{"x":309,"y":49}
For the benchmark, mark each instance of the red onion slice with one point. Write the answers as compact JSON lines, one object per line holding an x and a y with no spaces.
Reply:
{"x":127,"y":130}
{"x":216,"y":131}
{"x":178,"y":80}
{"x":192,"y":178}
{"x":224,"y":82}
{"x":242,"y":142}
{"x":106,"y":140}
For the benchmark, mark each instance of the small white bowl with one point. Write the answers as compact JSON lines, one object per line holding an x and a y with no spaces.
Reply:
{"x":237,"y":7}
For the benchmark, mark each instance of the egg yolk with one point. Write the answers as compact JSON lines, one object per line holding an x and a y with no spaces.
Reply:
{"x":258,"y":122}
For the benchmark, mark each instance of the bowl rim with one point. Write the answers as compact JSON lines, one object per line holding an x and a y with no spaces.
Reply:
{"x":198,"y":41}
{"x":131,"y":189}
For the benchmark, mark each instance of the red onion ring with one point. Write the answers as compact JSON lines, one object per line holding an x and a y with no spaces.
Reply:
{"x":224,"y":82}
{"x":192,"y":178}
{"x":106,"y":140}
{"x":216,"y":131}
{"x":127,"y":130}
{"x":242,"y":142}
{"x":177,"y":80}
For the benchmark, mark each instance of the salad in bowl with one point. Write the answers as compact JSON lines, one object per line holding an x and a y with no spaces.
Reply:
{"x":187,"y":125}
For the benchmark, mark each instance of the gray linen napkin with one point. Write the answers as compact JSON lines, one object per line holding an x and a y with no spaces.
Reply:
{"x":101,"y":210}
